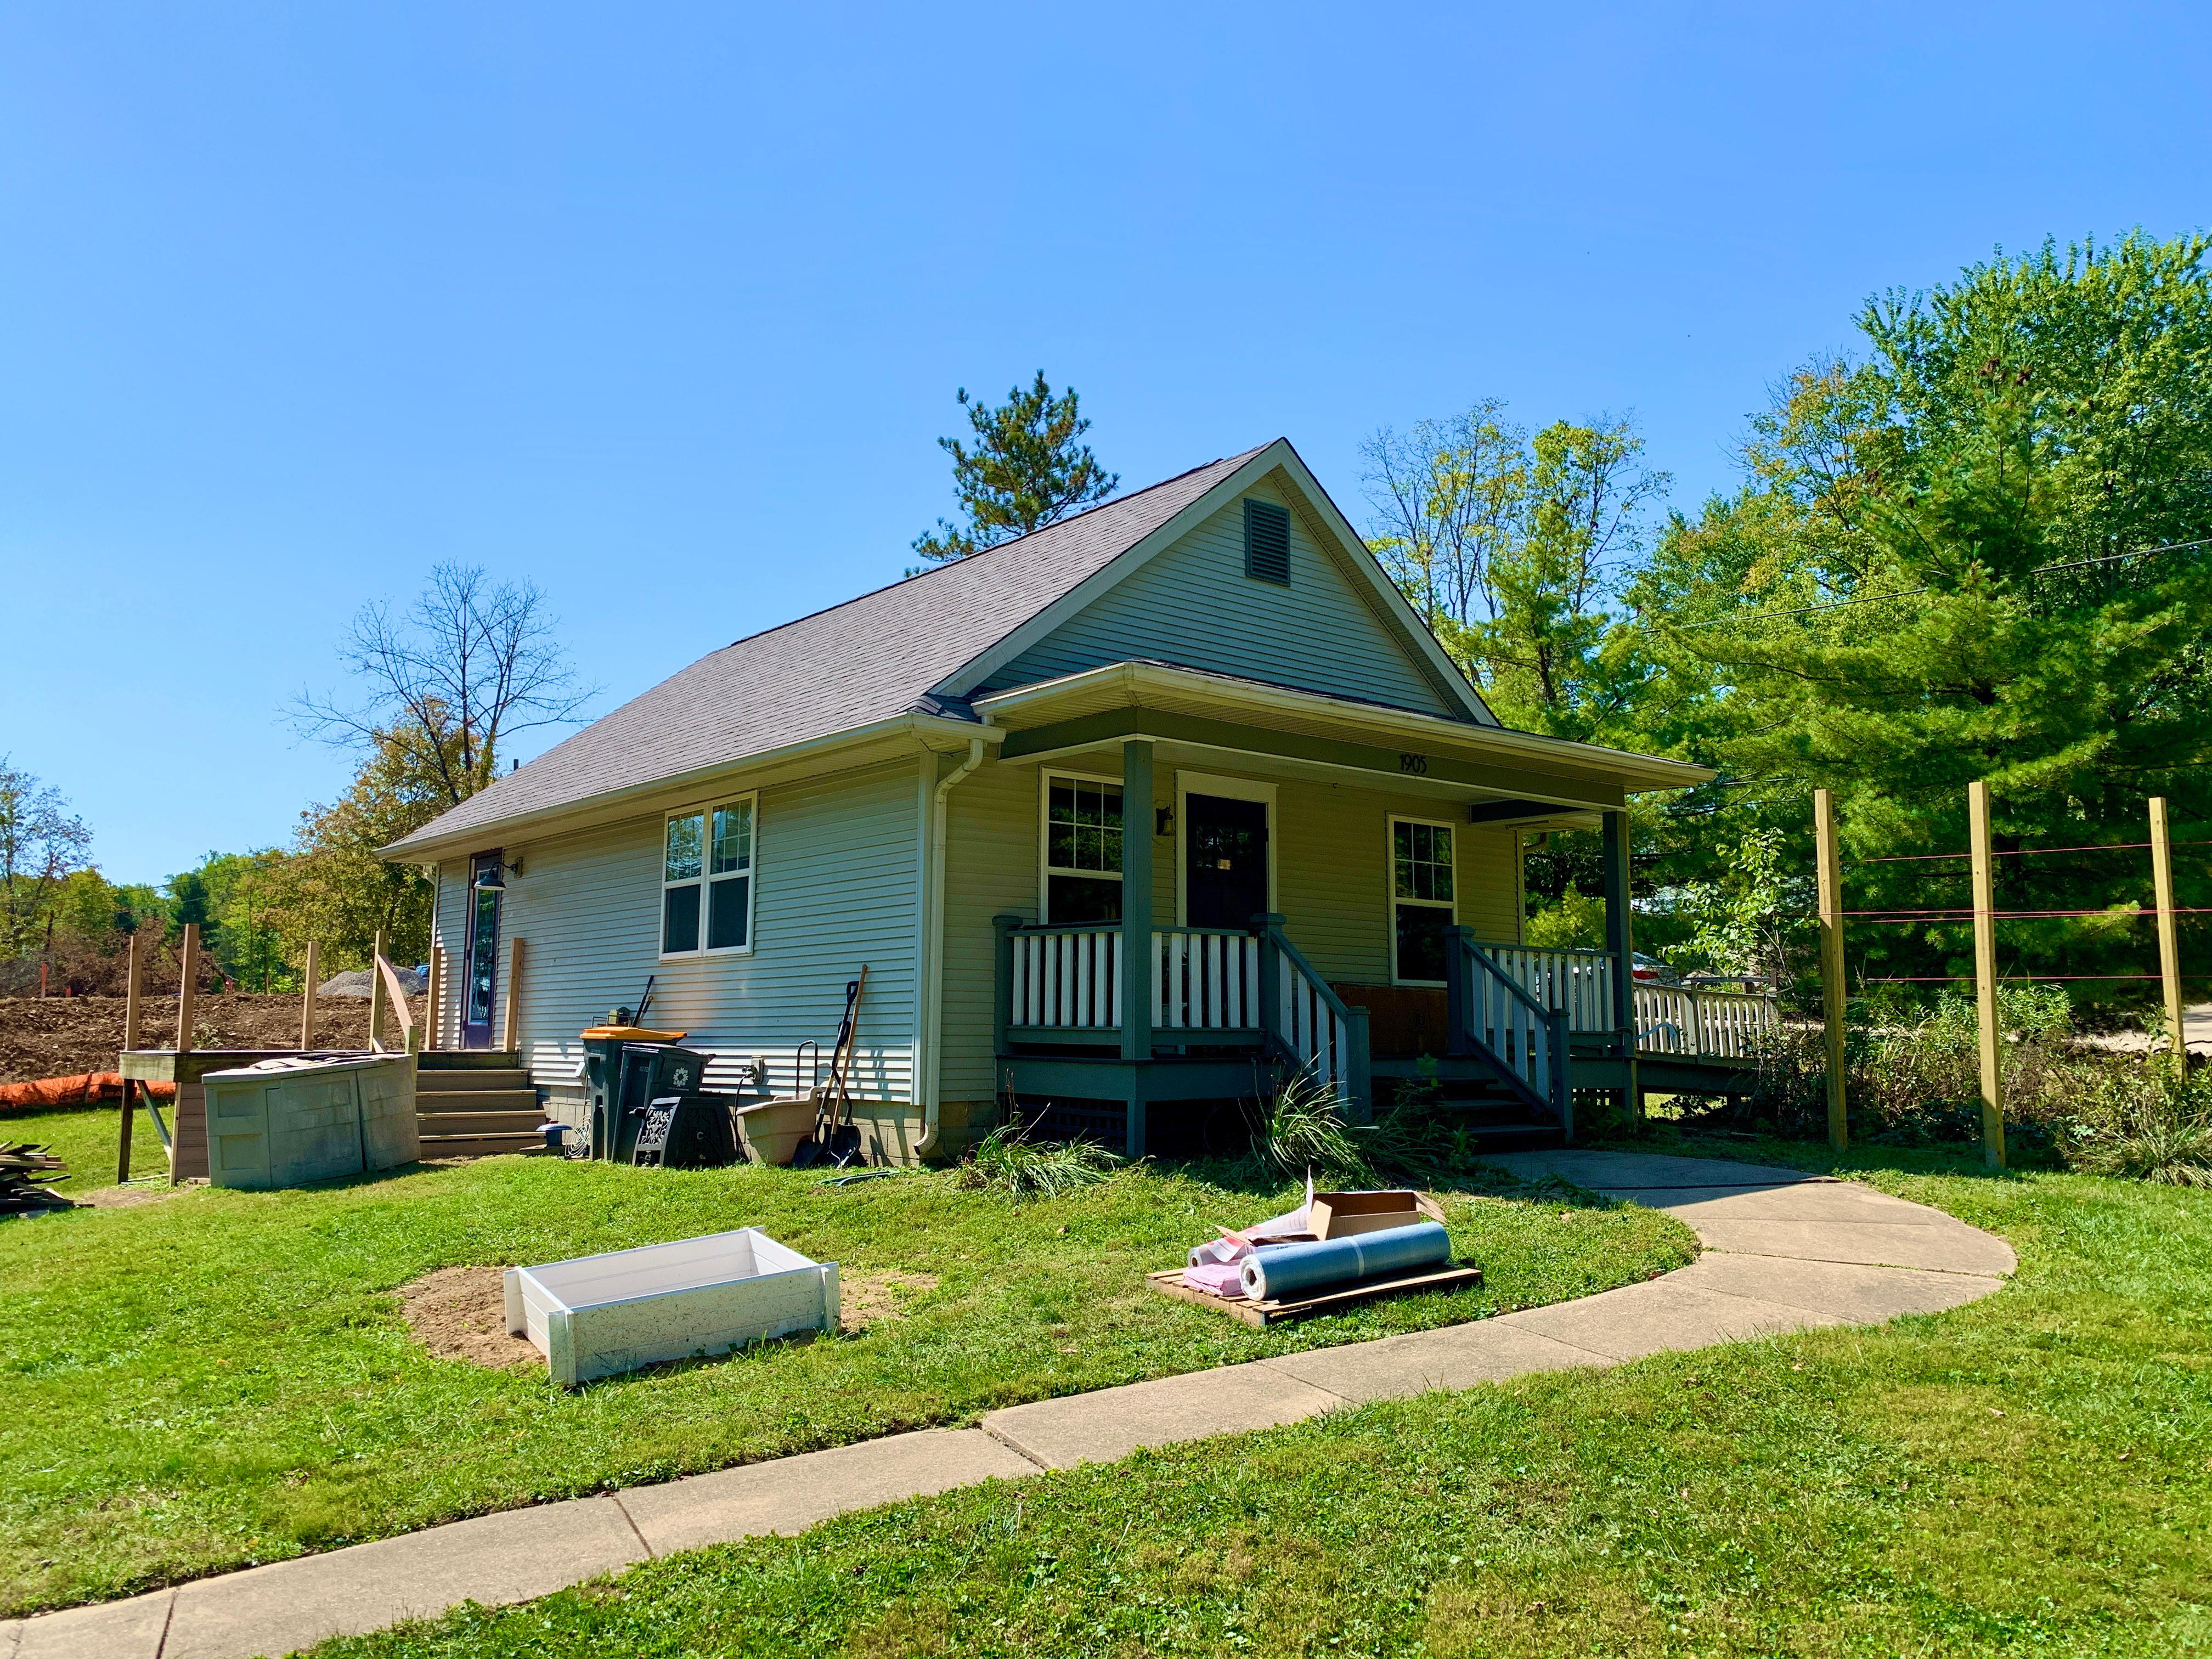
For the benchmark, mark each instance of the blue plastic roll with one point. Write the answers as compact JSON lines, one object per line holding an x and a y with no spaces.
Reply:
{"x":1288,"y":1270}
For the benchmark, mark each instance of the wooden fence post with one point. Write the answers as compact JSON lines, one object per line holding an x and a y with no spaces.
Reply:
{"x":188,"y":963}
{"x":376,"y":994}
{"x":2169,"y":943}
{"x":132,"y":983}
{"x":511,"y":1027}
{"x":134,"y":979}
{"x":1985,"y":974}
{"x":308,"y":996}
{"x":1831,"y":960}
{"x":434,"y":996}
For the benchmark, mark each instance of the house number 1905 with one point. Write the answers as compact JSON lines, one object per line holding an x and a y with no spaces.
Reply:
{"x":1416,"y":764}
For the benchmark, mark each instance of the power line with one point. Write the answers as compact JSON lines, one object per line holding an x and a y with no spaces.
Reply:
{"x":1883,"y":598}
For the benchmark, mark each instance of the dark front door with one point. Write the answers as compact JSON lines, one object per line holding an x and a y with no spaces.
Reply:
{"x":1225,"y":860}
{"x":480,"y":969}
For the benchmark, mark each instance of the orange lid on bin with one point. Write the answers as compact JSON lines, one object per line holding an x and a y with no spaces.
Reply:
{"x":632,"y":1034}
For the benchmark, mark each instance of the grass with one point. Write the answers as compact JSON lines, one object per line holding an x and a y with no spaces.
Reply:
{"x":222,"y":1378}
{"x":86,"y":1138}
{"x":2029,"y":1475}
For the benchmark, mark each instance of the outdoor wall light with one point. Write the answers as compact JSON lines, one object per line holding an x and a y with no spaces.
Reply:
{"x":488,"y":880}
{"x":1163,"y":820}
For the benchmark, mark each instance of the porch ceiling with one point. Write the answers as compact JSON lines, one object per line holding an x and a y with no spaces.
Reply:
{"x":1202,"y":718}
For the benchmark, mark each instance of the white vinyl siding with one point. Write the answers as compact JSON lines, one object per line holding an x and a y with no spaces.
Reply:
{"x":835,"y":889}
{"x":1194,"y":604}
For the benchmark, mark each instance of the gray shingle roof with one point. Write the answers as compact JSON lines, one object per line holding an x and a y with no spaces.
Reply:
{"x":855,"y":664}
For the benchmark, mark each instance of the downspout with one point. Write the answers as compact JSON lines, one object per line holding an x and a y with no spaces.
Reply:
{"x":933,"y":967}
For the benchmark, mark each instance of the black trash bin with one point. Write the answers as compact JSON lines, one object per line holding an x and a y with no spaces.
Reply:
{"x":650,"y":1072}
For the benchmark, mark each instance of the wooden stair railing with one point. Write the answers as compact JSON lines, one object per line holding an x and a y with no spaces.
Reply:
{"x":1492,"y":1018}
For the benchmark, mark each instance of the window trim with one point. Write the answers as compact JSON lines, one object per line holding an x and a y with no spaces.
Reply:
{"x":1391,"y":901}
{"x":1045,"y":869}
{"x":705,"y":879}
{"x":1213,"y":783}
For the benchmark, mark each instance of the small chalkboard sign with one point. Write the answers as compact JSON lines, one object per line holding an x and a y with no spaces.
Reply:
{"x":652,"y":1145}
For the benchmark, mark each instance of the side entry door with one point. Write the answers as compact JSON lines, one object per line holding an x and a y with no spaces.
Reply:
{"x":480,"y":968}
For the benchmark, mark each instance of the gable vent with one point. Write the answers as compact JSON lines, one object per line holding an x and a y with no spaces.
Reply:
{"x":1266,"y":543}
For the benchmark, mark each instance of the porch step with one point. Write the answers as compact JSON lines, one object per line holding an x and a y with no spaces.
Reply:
{"x":479,"y":1100}
{"x":479,"y":1123}
{"x":482,"y":1145}
{"x":1515,"y":1137}
{"x":473,"y":1080}
{"x":467,"y":1060}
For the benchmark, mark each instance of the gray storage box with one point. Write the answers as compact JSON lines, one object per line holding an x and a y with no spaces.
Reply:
{"x":309,"y":1117}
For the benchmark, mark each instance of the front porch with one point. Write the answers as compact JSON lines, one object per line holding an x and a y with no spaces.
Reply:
{"x":1302,"y":881}
{"x":1227,"y":1015}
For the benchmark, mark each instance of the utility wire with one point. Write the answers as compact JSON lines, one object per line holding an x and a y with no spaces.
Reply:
{"x":1906,"y":593}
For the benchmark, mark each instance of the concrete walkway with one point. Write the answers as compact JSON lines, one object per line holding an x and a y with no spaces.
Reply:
{"x":1783,"y":1252}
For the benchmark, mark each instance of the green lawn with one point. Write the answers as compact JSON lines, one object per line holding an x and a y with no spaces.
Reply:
{"x":2029,"y":1475}
{"x":222,"y":1378}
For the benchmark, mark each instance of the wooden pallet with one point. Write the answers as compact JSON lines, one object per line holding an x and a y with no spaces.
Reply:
{"x":1260,"y":1314}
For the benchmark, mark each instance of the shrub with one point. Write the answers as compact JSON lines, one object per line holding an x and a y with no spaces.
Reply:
{"x":2142,"y":1124}
{"x":1006,"y":1160}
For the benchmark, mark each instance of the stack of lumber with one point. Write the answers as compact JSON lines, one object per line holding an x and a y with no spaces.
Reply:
{"x":27,"y":1175}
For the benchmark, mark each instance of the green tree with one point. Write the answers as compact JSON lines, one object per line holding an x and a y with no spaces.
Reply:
{"x":1975,"y":554}
{"x":1027,"y":470}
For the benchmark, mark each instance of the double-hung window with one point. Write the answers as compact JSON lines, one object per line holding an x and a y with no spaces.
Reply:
{"x":707,"y":878}
{"x":1421,"y":904}
{"x":1082,"y":849}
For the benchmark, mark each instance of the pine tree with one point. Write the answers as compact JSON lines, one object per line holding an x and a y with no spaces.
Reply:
{"x":1026,"y":470}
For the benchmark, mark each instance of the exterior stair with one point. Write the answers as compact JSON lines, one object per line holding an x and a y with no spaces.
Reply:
{"x":1496,"y":1120}
{"x":476,"y":1103}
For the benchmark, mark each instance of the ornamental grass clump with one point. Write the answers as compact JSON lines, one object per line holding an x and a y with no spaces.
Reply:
{"x":1301,"y":1131}
{"x":2143,"y":1123}
{"x":1006,"y":1160}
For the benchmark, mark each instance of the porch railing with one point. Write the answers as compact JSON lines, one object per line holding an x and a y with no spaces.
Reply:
{"x":1063,"y":985}
{"x":1670,"y":1019}
{"x":1680,"y":1019}
{"x":1492,"y":1016}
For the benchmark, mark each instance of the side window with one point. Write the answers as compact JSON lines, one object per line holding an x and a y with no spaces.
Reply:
{"x":707,"y":878}
{"x":1421,"y":900}
{"x":1082,"y":850}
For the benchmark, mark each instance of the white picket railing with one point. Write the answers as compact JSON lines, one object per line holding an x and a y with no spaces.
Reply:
{"x":1311,"y":1021}
{"x":1577,"y":984}
{"x":1514,"y":1021}
{"x":1675,"y":1019}
{"x":1205,"y":979}
{"x":1069,"y":977}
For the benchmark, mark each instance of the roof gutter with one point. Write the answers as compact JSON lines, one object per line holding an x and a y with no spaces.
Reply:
{"x":425,"y":848}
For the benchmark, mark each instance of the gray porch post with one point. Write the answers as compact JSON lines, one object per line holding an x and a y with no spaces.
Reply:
{"x":1002,"y":991}
{"x":1620,"y":945}
{"x":1136,"y":932}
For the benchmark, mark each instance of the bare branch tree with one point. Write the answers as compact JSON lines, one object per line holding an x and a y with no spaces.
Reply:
{"x":472,"y":664}
{"x":41,"y":842}
{"x":1449,"y":496}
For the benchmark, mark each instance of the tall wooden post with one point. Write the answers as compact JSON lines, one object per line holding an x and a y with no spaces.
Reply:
{"x":188,"y":990}
{"x":1831,"y":960}
{"x":510,"y":1035}
{"x":1136,"y":933}
{"x":313,"y":977}
{"x":376,"y":995}
{"x":2169,"y":943}
{"x":134,"y":981}
{"x":1985,"y":974}
{"x":434,"y":996}
{"x":1620,"y":945}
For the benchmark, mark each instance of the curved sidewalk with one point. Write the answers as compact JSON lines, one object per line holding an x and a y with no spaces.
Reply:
{"x":1783,"y":1252}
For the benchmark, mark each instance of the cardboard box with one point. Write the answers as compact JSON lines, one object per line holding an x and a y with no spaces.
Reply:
{"x":1341,"y":1215}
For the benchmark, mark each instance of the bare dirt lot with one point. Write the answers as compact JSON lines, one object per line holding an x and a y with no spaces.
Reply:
{"x":57,"y":1037}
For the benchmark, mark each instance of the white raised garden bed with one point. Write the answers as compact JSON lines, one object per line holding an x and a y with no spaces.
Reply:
{"x":598,"y":1314}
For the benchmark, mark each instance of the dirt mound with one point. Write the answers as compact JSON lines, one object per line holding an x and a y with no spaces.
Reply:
{"x":57,"y":1037}
{"x":460,"y":1313}
{"x":870,"y":1297}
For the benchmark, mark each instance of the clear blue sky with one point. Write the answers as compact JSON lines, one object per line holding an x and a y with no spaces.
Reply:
{"x":663,"y":306}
